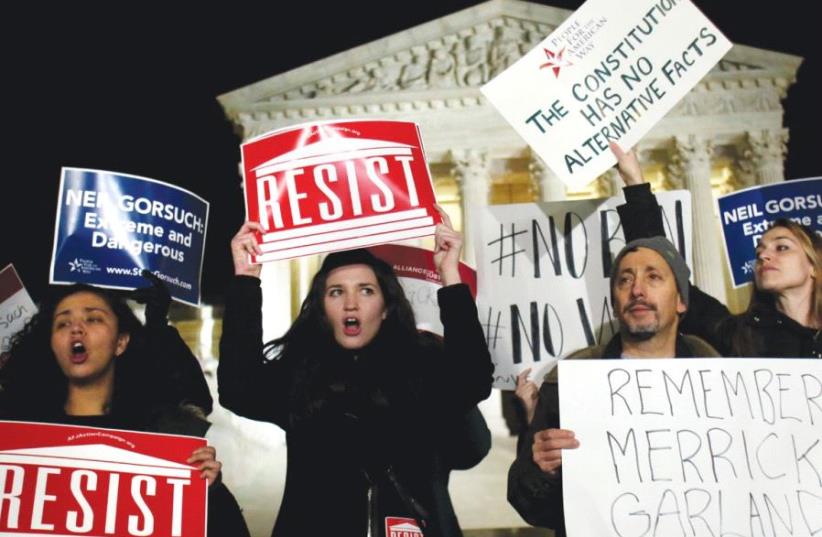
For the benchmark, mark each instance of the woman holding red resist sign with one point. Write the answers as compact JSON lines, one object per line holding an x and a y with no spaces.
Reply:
{"x":374,"y":411}
{"x":85,"y":359}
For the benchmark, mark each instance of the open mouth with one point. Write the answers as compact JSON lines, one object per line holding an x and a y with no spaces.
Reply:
{"x":351,"y":326}
{"x":78,"y":352}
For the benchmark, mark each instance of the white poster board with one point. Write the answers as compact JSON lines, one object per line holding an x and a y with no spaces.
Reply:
{"x":16,"y":307}
{"x":543,"y":277}
{"x":610,"y":72}
{"x":692,"y":447}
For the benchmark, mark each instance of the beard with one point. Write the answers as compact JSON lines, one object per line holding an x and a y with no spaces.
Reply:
{"x":635,"y":330}
{"x":639,"y":333}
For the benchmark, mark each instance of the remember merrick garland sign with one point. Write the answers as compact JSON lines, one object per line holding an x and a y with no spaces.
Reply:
{"x":608,"y":73}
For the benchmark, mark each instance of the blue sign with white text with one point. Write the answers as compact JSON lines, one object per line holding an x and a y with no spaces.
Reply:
{"x":747,"y":214}
{"x":111,"y":225}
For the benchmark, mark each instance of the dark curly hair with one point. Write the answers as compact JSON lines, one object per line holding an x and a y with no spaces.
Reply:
{"x":34,"y":386}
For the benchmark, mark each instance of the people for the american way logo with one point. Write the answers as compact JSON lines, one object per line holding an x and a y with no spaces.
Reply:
{"x":555,"y":61}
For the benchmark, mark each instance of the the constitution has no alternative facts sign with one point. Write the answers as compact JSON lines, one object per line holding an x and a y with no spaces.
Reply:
{"x":321,"y":187}
{"x":610,"y":72}
{"x":67,"y":480}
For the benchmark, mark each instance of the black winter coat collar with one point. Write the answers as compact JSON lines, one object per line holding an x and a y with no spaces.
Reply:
{"x":779,"y":335}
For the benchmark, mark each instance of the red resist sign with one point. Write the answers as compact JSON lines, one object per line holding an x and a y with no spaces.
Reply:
{"x":68,"y":480}
{"x":321,"y":187}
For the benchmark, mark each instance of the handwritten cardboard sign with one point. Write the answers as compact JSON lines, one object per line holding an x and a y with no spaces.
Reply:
{"x":608,"y":73}
{"x":16,"y":307}
{"x":321,"y":187}
{"x":543,"y":276}
{"x":67,"y":480}
{"x":747,"y":214}
{"x":697,"y":447}
{"x":110,"y":226}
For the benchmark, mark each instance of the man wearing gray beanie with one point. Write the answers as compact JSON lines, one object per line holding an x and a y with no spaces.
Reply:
{"x":667,"y":250}
{"x":649,"y":292}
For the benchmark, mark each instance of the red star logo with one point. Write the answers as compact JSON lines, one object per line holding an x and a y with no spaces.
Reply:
{"x":555,"y":61}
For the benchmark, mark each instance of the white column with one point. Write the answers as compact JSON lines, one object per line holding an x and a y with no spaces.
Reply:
{"x":691,"y":163}
{"x":611,"y":183}
{"x":276,"y":287}
{"x":551,"y":188}
{"x":766,"y":150}
{"x":471,"y":171}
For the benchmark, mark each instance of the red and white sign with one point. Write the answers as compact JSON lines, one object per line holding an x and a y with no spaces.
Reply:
{"x":401,"y":527}
{"x":16,"y":308}
{"x":415,"y":270}
{"x":67,"y":480}
{"x":321,"y":187}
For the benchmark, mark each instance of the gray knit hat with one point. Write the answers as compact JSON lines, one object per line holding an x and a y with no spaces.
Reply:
{"x":667,"y":250}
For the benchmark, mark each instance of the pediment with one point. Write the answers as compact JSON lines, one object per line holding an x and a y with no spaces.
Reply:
{"x":95,"y":457}
{"x":461,"y":50}
{"x":451,"y":56}
{"x":332,"y":149}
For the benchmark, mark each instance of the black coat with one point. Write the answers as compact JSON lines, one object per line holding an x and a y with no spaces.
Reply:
{"x":765,"y":332}
{"x":386,"y":422}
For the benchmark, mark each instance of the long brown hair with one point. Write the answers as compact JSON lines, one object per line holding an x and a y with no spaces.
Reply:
{"x":309,"y":343}
{"x":811,"y":244}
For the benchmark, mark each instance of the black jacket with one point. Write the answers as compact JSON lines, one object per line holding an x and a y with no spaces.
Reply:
{"x":383,"y":422}
{"x":535,"y":495}
{"x":175,"y":366}
{"x":765,"y":332}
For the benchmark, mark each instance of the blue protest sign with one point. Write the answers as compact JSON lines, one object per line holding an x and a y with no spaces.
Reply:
{"x":747,"y":214}
{"x":111,"y":225}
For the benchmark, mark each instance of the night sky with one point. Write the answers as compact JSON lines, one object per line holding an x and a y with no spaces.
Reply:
{"x":132,"y":88}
